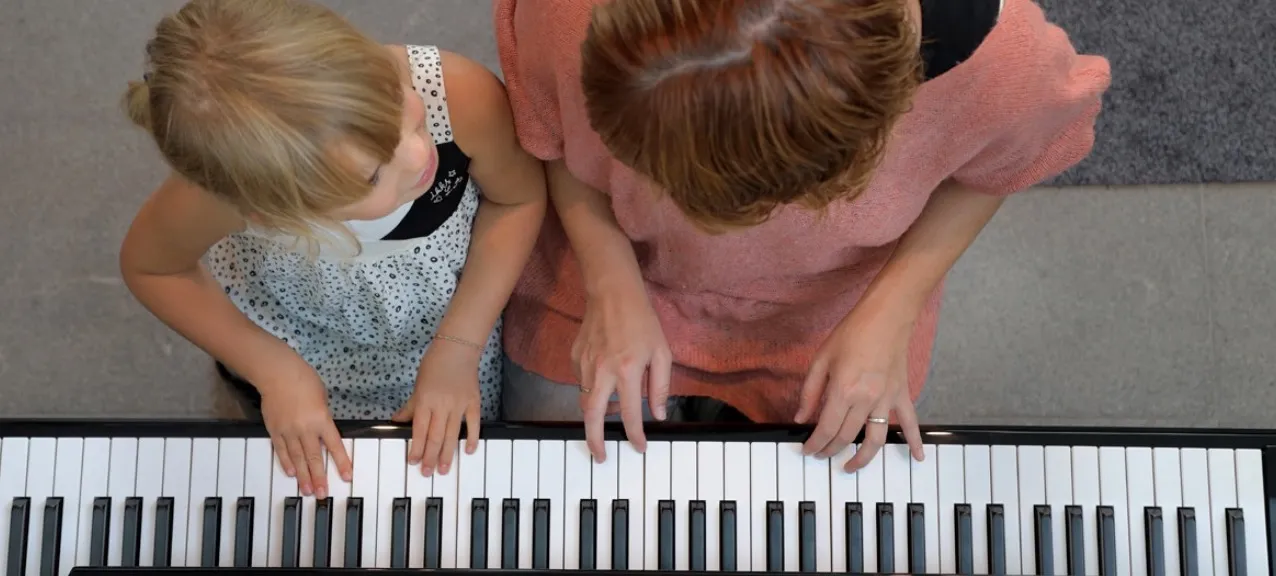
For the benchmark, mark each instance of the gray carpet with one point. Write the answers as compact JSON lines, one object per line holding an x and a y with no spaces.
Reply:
{"x":1192,"y":86}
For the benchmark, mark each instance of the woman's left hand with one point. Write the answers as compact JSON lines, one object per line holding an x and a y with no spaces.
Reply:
{"x":446,"y":394}
{"x":860,"y":375}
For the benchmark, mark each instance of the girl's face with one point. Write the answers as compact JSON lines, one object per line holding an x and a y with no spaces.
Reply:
{"x":407,"y":176}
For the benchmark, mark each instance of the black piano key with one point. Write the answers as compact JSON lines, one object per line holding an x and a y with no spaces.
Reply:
{"x":131,"y":552}
{"x":400,"y":513}
{"x":51,"y":545}
{"x":19,"y":519}
{"x":1074,"y":535}
{"x":323,"y":532}
{"x":163,"y":532}
{"x":1107,"y":541}
{"x":806,"y":536}
{"x":1189,"y":559}
{"x":965,"y":539}
{"x":540,"y":534}
{"x":620,"y":534}
{"x":1044,"y":531}
{"x":774,"y":536}
{"x":1235,"y":542}
{"x":727,"y":531}
{"x":433,"y":532}
{"x":478,"y":534}
{"x":916,"y":537}
{"x":243,"y":556}
{"x":699,"y":536}
{"x":854,"y":518}
{"x":885,"y":537}
{"x":291,"y":552}
{"x":665,"y":535}
{"x":509,"y":534}
{"x":100,"y":531}
{"x":353,"y":554}
{"x":1154,"y":533}
{"x":211,"y":544}
{"x":997,"y":539}
{"x":589,"y":534}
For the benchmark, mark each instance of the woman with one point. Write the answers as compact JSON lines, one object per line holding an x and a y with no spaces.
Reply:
{"x":758,"y":200}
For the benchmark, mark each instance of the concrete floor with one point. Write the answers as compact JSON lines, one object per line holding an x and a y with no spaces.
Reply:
{"x":1144,"y":306}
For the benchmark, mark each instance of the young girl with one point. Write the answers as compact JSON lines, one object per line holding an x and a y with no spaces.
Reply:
{"x":362,"y":213}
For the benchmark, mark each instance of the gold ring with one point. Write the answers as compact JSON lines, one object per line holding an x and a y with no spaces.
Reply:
{"x":584,"y":390}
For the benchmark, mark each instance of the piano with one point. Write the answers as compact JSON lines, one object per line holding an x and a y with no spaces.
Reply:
{"x":195,"y":497}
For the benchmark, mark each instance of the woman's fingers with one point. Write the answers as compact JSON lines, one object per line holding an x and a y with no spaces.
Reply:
{"x":595,"y":410}
{"x":836,"y":405}
{"x":629,"y":389}
{"x":658,"y":375}
{"x":812,"y":390}
{"x":874,"y":439}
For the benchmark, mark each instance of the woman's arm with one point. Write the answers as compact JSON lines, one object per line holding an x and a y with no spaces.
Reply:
{"x":513,"y":204}
{"x":949,"y":223}
{"x":160,"y":263}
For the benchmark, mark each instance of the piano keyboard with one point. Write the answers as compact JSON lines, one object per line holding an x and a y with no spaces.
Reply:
{"x":80,"y":496}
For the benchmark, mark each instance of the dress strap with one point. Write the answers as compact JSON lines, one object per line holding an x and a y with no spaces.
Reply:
{"x":427,"y":78}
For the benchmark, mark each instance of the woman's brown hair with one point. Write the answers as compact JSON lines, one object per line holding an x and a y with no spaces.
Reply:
{"x":735,"y":107}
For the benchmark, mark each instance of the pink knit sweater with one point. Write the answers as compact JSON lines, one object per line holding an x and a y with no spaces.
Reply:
{"x":744,"y":313}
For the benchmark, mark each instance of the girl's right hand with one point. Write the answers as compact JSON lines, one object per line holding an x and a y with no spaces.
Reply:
{"x":621,"y":348}
{"x":295,"y":410}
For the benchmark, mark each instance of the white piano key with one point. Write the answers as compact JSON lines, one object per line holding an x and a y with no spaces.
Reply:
{"x":843,"y":488}
{"x":41,"y":468}
{"x":339,"y":490}
{"x":364,"y":483}
{"x":897,"y":466}
{"x":1222,"y":477}
{"x":230,"y":486}
{"x":1058,"y":495}
{"x":121,"y":480}
{"x":13,"y":480}
{"x":1112,"y":492}
{"x":66,"y":483}
{"x":762,"y":489}
{"x":736,"y":458}
{"x":657,"y":476}
{"x":872,"y":490}
{"x":682,"y":488}
{"x":419,"y":488}
{"x":177,"y":476}
{"x":392,"y":457}
{"x":1005,"y":491}
{"x":952,"y":491}
{"x":816,"y":489}
{"x":445,"y":487}
{"x":1196,"y":494}
{"x":551,"y":486}
{"x":1167,"y":480}
{"x":524,"y":487}
{"x":258,"y":467}
{"x":1085,"y":493}
{"x":498,"y":472}
{"x":631,"y":467}
{"x":1139,"y":478}
{"x":710,"y":484}
{"x":978,"y":471}
{"x":150,"y":485}
{"x":1032,"y":491}
{"x":577,"y":481}
{"x":204,"y":453}
{"x":281,"y":486}
{"x":790,"y":488}
{"x":605,"y":490}
{"x":1250,"y":498}
{"x":924,"y":479}
{"x":470,"y":483}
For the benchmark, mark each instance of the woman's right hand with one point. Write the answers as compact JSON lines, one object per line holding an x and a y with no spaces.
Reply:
{"x":621,"y":348}
{"x":294,"y":406}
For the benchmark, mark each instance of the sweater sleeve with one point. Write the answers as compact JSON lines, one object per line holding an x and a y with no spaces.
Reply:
{"x":1041,"y":103}
{"x":539,"y":53}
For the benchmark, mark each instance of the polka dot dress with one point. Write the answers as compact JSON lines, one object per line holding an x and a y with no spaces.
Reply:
{"x":363,"y":318}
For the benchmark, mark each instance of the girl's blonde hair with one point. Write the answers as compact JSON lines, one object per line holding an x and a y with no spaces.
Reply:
{"x":260,"y":102}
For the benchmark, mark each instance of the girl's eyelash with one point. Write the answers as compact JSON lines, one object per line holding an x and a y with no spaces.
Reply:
{"x":375,"y":177}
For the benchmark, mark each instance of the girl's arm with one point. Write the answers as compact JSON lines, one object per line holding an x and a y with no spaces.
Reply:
{"x":513,"y":203}
{"x":160,"y":263}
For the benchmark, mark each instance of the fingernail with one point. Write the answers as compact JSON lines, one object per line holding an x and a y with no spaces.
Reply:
{"x":428,"y":471}
{"x":305,"y":489}
{"x":443,"y":469}
{"x":660,"y":412}
{"x":321,"y":493}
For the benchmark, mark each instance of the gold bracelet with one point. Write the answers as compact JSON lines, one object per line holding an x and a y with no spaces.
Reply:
{"x":478,"y":347}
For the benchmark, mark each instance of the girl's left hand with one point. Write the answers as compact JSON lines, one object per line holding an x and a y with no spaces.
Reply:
{"x":446,"y":394}
{"x":861,"y":373}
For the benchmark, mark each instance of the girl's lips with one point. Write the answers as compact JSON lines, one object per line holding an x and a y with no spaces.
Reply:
{"x":426,"y":174}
